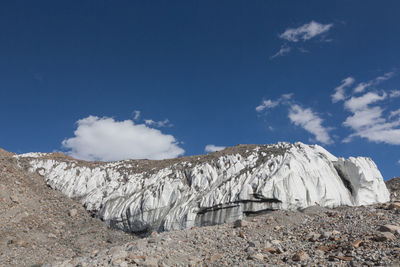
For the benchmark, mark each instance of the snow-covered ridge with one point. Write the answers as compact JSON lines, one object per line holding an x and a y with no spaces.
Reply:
{"x":211,"y":189}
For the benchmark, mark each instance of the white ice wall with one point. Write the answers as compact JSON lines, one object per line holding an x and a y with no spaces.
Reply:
{"x":215,"y":191}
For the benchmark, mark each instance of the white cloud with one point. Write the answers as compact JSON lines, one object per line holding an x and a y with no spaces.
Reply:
{"x":303,"y":50}
{"x":366,"y":118}
{"x":311,"y":122}
{"x":286,"y":96}
{"x":109,"y":140}
{"x":394,"y":113}
{"x":159,"y":124}
{"x":384,"y":77}
{"x":136,"y":115}
{"x":305,"y":32}
{"x":282,"y":51}
{"x":303,"y":117}
{"x":398,"y":162}
{"x":339,"y":91}
{"x":362,"y":86}
{"x":213,"y":148}
{"x":394,"y":93}
{"x":267,"y":104}
{"x":360,"y":103}
{"x":368,"y":121}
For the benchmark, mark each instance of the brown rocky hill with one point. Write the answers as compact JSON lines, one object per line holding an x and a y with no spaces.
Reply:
{"x":39,"y":224}
{"x":394,"y":187}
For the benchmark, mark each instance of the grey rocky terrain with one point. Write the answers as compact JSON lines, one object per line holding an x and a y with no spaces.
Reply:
{"x":41,"y":226}
{"x":316,"y":236}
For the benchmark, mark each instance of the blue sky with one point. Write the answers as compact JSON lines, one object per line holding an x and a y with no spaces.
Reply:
{"x":157,"y":79}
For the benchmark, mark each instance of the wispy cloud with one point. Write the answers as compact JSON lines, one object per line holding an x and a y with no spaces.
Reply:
{"x":305,"y":32}
{"x":340,"y":90}
{"x":109,"y":140}
{"x":303,"y":117}
{"x":213,"y":148}
{"x":158,"y":124}
{"x":303,"y":50}
{"x":361,"y":103}
{"x":136,"y":115}
{"x":282,"y":51}
{"x":394,"y":114}
{"x":269,"y":104}
{"x":311,"y":122}
{"x":394,"y":93}
{"x":364,"y":85}
{"x":367,"y":119}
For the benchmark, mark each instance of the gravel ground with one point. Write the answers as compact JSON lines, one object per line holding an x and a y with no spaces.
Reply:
{"x":312,"y":237}
{"x":40,"y":226}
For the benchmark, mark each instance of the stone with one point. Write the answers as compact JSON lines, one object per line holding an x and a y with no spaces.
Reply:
{"x":95,"y":252}
{"x":344,"y":258}
{"x":117,"y":262}
{"x":241,"y":234}
{"x":323,"y":248}
{"x":240,"y":223}
{"x":14,"y":198}
{"x":215,"y":257}
{"x":51,"y":235}
{"x":357,"y":243}
{"x":335,"y":232}
{"x":251,"y":244}
{"x":270,"y":250}
{"x":133,"y":256}
{"x":150,"y":262}
{"x":394,"y":206}
{"x":21,"y":243}
{"x":319,"y":253}
{"x":258,"y":257}
{"x":276,"y":242}
{"x":270,"y":219}
{"x":72,"y":212}
{"x":390,"y":228}
{"x":313,"y":236}
{"x":326,"y":234}
{"x":151,"y":240}
{"x":383,"y":236}
{"x":300,"y":256}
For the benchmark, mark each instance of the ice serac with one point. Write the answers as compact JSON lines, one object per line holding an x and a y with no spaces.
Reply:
{"x":364,"y":180}
{"x":143,"y":195}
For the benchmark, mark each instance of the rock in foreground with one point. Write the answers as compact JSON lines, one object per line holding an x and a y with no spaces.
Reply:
{"x":144,"y":195}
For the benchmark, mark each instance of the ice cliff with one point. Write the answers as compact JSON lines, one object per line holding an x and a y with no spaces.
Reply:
{"x":144,"y":195}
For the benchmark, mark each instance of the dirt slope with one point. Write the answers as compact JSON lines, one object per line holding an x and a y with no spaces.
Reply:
{"x":38,"y":224}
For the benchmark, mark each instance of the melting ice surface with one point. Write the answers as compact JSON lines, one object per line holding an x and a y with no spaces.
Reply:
{"x":212,"y":189}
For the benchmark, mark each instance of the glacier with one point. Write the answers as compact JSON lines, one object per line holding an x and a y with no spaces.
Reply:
{"x":148,"y":195}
